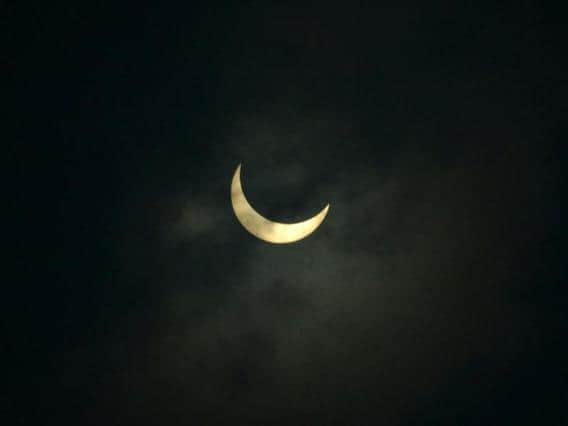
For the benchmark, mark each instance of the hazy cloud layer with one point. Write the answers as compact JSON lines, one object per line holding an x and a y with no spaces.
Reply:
{"x":383,"y":301}
{"x":412,"y":293}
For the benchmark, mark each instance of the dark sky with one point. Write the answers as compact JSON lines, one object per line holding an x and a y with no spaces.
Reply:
{"x":432,"y":294}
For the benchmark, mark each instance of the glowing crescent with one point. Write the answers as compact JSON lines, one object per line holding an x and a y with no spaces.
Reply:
{"x":267,"y":230}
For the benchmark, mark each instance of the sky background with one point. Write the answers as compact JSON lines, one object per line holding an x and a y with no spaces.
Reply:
{"x":432,"y":294}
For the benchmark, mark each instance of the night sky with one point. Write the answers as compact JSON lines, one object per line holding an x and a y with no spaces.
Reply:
{"x":432,"y":294}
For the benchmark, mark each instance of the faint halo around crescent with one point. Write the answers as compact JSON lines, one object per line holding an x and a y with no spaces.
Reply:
{"x":267,"y":230}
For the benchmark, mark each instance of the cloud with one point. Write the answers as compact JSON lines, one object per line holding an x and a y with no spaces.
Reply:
{"x":394,"y":294}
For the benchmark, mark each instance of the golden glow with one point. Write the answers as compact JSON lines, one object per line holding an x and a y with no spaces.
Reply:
{"x":267,"y":230}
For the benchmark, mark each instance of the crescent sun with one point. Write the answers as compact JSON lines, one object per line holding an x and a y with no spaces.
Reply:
{"x":267,"y":230}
